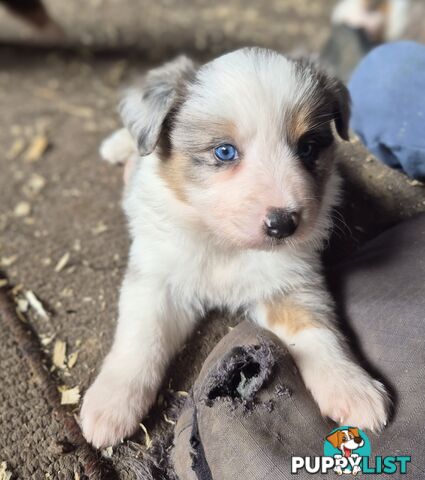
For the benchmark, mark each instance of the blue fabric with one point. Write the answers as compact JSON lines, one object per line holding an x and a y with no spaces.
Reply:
{"x":388,"y":101}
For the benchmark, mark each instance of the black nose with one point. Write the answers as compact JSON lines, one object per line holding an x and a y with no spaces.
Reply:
{"x":358,"y":440}
{"x":281,"y":223}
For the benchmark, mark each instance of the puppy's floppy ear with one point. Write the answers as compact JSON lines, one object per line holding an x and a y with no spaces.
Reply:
{"x":342,"y":108}
{"x":354,"y":431}
{"x":337,"y":100}
{"x":145,"y":108}
{"x":335,"y":439}
{"x":333,"y":96}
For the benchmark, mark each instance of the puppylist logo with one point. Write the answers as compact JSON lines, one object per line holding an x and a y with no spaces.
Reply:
{"x":347,"y":450}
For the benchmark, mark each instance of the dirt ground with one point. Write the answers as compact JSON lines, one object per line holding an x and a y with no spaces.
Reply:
{"x":62,"y":233}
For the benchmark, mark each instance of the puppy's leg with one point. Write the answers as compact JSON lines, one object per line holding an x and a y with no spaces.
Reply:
{"x":151,"y":328}
{"x":342,"y":389}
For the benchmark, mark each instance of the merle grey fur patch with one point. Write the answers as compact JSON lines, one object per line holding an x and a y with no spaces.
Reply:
{"x":144,"y":108}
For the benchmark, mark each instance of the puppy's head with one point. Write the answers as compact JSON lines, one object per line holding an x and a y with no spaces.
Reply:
{"x":247,"y":141}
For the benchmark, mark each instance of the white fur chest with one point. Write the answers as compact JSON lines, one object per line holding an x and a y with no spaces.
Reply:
{"x":194,"y":268}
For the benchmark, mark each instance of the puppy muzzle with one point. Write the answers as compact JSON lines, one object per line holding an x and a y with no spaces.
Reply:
{"x":281,"y":223}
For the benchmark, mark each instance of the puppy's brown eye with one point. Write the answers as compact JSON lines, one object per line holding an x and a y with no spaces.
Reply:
{"x":307,"y":149}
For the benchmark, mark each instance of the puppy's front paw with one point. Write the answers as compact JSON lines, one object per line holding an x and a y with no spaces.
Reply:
{"x":111,"y":411}
{"x":118,"y":147}
{"x":355,"y":400}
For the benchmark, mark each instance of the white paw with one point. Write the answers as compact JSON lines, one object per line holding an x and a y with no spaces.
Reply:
{"x":118,"y":147}
{"x":352,"y":398}
{"x":112,"y":410}
{"x":356,"y":470}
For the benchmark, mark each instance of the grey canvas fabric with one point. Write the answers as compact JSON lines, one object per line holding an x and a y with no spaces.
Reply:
{"x":381,"y":291}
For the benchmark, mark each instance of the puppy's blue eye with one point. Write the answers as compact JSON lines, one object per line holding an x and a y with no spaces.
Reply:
{"x":226,"y":152}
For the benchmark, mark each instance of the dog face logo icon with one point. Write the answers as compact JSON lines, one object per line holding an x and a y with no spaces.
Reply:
{"x":346,"y":440}
{"x":349,"y":443}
